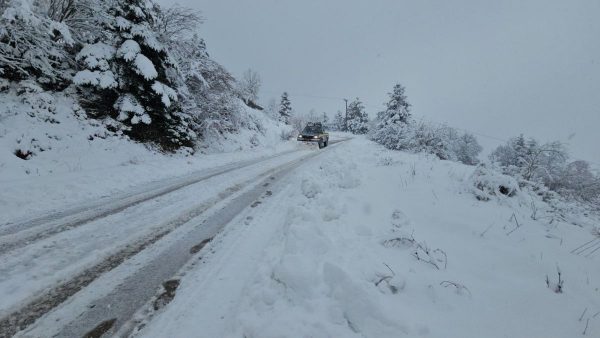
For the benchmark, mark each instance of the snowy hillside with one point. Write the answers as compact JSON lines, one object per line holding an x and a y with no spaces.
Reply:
{"x":367,"y":242}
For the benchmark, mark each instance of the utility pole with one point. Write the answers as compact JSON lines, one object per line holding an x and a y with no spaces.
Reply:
{"x":346,"y":118}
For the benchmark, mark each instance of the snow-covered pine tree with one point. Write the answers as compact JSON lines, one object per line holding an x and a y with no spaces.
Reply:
{"x":398,"y":103}
{"x":285,"y":109}
{"x":393,"y":123}
{"x":127,"y":76}
{"x":358,"y":120}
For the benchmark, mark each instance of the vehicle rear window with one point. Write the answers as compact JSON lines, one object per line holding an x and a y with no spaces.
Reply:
{"x":312,"y":130}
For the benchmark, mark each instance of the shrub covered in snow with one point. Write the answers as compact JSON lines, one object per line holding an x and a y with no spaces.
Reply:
{"x":486,"y":183}
{"x":421,"y":137}
{"x":530,"y":161}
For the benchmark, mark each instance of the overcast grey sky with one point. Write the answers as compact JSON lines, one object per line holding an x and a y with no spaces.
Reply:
{"x":498,"y":68}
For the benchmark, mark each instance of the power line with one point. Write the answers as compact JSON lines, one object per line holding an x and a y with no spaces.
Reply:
{"x":334,"y":98}
{"x":309,"y":95}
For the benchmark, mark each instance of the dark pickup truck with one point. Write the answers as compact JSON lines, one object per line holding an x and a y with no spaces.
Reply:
{"x":313,"y":132}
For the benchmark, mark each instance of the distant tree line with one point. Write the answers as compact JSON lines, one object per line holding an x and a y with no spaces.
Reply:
{"x":526,"y":159}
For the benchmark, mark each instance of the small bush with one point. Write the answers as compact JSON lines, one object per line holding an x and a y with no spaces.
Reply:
{"x":486,"y":183}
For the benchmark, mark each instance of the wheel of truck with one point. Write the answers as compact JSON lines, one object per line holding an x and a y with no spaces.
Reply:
{"x":326,"y":143}
{"x":321,"y":145}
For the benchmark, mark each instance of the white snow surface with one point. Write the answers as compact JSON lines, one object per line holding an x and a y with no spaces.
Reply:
{"x":129,"y":50}
{"x":102,"y":79}
{"x":367,"y":242}
{"x":145,"y":67}
{"x":167,"y":93}
{"x":97,"y":55}
{"x":127,"y":104}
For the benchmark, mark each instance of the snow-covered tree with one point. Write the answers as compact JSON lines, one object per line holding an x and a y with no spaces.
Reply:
{"x":250,"y":85}
{"x":339,"y":122}
{"x":422,"y":137}
{"x":509,"y":154}
{"x":285,"y":109}
{"x":176,"y":23}
{"x":357,"y":117}
{"x":531,"y":160}
{"x":32,"y":45}
{"x":128,"y":74}
{"x":398,"y":104}
{"x":466,"y":148}
{"x":208,"y":91}
{"x":391,"y":124}
{"x":85,"y":18}
{"x":578,"y":180}
{"x":272,"y":108}
{"x":325,"y":120}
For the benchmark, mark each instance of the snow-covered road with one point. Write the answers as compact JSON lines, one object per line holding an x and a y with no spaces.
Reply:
{"x":46,"y":261}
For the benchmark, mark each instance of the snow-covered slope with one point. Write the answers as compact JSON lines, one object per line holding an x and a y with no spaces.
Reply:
{"x":367,"y":242}
{"x":66,"y":158}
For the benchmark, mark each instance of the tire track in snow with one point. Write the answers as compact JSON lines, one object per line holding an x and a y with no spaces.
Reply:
{"x":35,"y":309}
{"x":26,"y":233}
